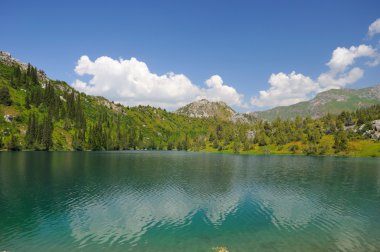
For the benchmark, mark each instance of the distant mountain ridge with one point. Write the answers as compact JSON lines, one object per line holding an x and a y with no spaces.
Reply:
{"x":332,"y":101}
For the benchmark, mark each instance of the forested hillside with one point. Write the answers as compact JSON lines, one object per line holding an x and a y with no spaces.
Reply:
{"x":42,"y":114}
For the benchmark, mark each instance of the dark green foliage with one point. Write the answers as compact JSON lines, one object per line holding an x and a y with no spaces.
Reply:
{"x":39,"y":135}
{"x":32,"y":131}
{"x":14,"y":143}
{"x":293,"y":148}
{"x":47,"y":131}
{"x":340,"y":139}
{"x":5,"y":97}
{"x":31,"y":72}
{"x":27,"y":101}
{"x":236,"y":147}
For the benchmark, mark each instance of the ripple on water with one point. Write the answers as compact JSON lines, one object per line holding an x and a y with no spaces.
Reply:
{"x":148,"y":201}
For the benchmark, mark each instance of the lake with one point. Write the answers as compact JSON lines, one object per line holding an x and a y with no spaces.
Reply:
{"x":179,"y":201}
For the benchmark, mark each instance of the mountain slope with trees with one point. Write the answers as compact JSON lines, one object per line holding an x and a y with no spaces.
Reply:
{"x":38,"y":113}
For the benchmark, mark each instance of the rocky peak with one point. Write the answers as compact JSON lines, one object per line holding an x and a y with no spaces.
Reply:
{"x":204,"y":109}
{"x":6,"y":58}
{"x":214,"y":109}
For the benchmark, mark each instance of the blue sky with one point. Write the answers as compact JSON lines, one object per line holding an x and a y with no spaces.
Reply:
{"x":235,"y":45}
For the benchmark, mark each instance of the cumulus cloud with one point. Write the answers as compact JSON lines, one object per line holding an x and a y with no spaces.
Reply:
{"x":218,"y":91}
{"x":132,"y":83}
{"x":343,"y":57}
{"x":374,"y":28}
{"x":287,"y":89}
{"x":331,"y":80}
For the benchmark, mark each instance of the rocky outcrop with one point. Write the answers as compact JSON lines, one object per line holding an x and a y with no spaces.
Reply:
{"x":376,"y":125}
{"x":8,"y":118}
{"x":206,"y":109}
{"x":6,"y":58}
{"x":372,"y":132}
{"x":215,"y":109}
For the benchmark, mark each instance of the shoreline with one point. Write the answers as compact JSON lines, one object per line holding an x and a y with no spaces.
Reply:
{"x":245,"y":153}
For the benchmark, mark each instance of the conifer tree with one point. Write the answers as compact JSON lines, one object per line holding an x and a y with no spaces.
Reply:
{"x":47,"y":132}
{"x":5,"y":97}
{"x":27,"y":101}
{"x":31,"y":132}
{"x":13,"y":144}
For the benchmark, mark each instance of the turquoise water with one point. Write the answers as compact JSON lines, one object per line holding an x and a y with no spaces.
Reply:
{"x":178,"y":201}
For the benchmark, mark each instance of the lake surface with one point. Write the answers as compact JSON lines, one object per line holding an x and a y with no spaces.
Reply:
{"x":178,"y":201}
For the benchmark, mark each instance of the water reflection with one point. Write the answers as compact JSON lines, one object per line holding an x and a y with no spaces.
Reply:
{"x":141,"y":199}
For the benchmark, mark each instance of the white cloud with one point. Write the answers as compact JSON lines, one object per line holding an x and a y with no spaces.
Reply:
{"x":374,"y":28}
{"x":131,"y":83}
{"x":343,"y":57}
{"x":329,"y":81}
{"x":218,"y":91}
{"x":287,"y":89}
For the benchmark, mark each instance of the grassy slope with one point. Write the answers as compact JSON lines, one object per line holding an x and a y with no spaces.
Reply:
{"x":356,"y":148}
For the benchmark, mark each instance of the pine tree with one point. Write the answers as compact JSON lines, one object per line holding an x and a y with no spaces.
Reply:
{"x":47,"y":132}
{"x":27,"y":101}
{"x":28,"y":71}
{"x":78,"y":141}
{"x":5,"y":97}
{"x":14,"y":144}
{"x":31,"y":132}
{"x":71,"y":105}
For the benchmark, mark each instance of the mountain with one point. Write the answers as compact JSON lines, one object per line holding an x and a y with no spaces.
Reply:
{"x":206,"y":109}
{"x":39,"y":113}
{"x":333,"y":101}
{"x":213,"y":109}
